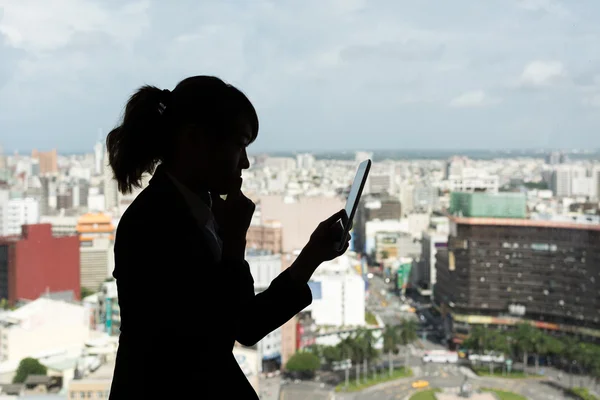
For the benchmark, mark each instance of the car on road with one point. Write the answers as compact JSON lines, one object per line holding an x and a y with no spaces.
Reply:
{"x":420,"y":384}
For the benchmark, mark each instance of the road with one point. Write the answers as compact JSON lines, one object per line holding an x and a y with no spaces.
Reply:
{"x":303,"y":390}
{"x":384,"y":303}
{"x":450,"y":377}
{"x":445,"y":376}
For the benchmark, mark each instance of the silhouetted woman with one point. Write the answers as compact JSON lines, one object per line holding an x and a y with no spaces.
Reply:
{"x":185,"y":291}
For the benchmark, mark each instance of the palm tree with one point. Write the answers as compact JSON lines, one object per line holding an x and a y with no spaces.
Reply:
{"x":497,"y":342}
{"x":364,"y":341}
{"x":407,"y":334}
{"x":476,"y":340}
{"x":540,"y":347}
{"x":572,"y":351}
{"x":391,"y":340}
{"x":524,"y":335}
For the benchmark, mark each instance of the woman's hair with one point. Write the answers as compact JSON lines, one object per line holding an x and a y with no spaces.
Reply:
{"x":153,"y":118}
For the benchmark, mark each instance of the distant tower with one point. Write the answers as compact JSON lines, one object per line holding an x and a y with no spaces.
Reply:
{"x":111,"y":191}
{"x":98,"y":155}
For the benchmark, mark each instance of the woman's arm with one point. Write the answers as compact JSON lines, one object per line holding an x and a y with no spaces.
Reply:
{"x":258,"y":315}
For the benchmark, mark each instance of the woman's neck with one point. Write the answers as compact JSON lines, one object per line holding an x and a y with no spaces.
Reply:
{"x":184,"y":177}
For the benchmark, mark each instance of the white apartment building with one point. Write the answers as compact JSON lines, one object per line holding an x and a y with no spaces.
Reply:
{"x":96,"y":201}
{"x":4,"y":197}
{"x":97,"y":262}
{"x":567,"y":177}
{"x":98,"y":158}
{"x":62,"y":225}
{"x":338,"y":295}
{"x":20,"y":212}
{"x":467,"y":183}
{"x":264,"y":268}
{"x":375,"y":226}
{"x":42,"y":326}
{"x":305,"y":161}
{"x":111,"y":191}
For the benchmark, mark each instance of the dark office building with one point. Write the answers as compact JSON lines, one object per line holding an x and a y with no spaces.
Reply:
{"x":502,"y":271}
{"x":371,"y":208}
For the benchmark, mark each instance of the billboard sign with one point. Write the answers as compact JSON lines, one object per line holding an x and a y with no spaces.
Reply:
{"x":403,"y":275}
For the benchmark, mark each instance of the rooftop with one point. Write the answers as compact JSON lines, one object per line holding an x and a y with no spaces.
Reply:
{"x":529,"y":223}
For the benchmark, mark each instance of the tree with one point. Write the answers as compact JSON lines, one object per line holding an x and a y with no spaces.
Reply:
{"x":497,"y":342}
{"x":407,"y":333}
{"x":476,"y":339}
{"x":540,"y":347}
{"x":572,"y":351}
{"x":304,"y":363}
{"x":362,"y":348}
{"x":85,"y":292}
{"x":524,"y":342}
{"x":391,"y":340}
{"x":28,"y":366}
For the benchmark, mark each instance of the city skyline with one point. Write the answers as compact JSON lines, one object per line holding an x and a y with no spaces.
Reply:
{"x":385,"y":75}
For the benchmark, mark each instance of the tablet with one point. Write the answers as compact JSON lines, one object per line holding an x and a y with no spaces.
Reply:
{"x":354,"y":196}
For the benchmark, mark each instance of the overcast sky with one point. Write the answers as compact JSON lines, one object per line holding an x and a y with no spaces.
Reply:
{"x":323,"y":74}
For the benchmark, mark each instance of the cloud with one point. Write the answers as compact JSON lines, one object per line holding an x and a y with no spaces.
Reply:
{"x":542,"y":73}
{"x":29,"y":25}
{"x":318,"y":71}
{"x":592,"y":100}
{"x":473,"y":99}
{"x":551,"y":7}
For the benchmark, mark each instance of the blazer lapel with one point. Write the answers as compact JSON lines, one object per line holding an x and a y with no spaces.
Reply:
{"x":171,"y":197}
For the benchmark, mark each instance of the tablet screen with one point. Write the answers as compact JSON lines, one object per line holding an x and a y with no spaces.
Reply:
{"x":355,"y":192}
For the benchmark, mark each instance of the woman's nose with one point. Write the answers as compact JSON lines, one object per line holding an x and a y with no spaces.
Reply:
{"x":244,"y":161}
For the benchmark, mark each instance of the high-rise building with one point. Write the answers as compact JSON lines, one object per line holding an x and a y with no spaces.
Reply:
{"x":499,"y":205}
{"x":20,"y":212}
{"x":305,"y":161}
{"x":502,"y":271}
{"x":426,"y":197}
{"x":111,"y":190}
{"x":95,"y":225}
{"x":297,"y":231}
{"x":98,"y":158}
{"x":4,"y":199}
{"x":97,"y":262}
{"x":267,"y":236}
{"x":48,"y":161}
{"x":35,"y":263}
{"x":426,"y":276}
{"x":338,"y":295}
{"x":370,"y":208}
{"x":566,"y":178}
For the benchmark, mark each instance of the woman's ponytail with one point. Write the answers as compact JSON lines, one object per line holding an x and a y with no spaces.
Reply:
{"x":139,"y":142}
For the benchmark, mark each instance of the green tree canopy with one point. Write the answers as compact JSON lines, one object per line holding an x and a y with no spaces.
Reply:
{"x":303,"y":362}
{"x":28,"y":366}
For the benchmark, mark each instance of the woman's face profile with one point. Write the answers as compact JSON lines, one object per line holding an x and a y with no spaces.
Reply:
{"x":226,"y":157}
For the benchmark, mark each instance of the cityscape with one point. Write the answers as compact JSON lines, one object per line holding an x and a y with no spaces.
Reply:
{"x":473,"y":267}
{"x":462,"y":272}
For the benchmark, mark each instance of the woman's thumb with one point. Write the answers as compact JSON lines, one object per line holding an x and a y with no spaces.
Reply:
{"x":234,"y":190}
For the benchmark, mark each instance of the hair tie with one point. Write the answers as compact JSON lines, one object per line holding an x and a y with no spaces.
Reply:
{"x":164,"y":102}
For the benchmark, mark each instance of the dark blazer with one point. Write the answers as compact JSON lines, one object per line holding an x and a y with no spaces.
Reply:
{"x":181,"y":311}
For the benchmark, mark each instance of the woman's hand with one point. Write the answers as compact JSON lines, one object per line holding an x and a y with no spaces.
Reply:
{"x":325,"y":240}
{"x":233,"y":216}
{"x":322,"y":246}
